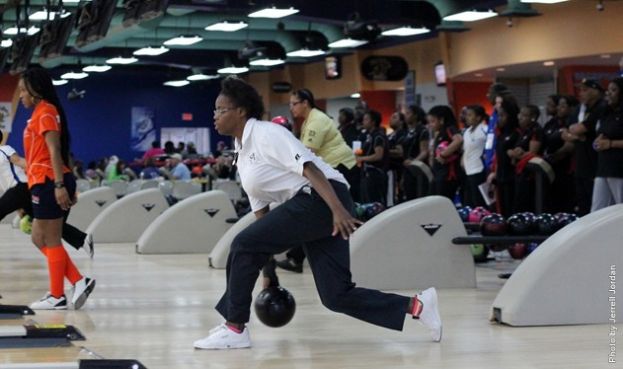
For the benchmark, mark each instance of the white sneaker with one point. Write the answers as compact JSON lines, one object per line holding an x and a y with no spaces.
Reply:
{"x":223,"y":338}
{"x":87,"y":246}
{"x":430,"y":313}
{"x":49,"y":302}
{"x":82,"y":290}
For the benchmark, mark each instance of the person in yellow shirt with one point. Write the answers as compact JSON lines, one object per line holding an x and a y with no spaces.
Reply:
{"x":320,"y":134}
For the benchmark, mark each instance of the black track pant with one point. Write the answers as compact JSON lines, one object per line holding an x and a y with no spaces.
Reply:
{"x":306,"y":219}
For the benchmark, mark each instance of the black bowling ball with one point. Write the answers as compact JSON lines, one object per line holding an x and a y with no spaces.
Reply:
{"x":275,"y":306}
{"x":564,"y":219}
{"x":546,"y":224}
{"x":530,"y":217}
{"x":493,"y":225}
{"x":520,"y":224}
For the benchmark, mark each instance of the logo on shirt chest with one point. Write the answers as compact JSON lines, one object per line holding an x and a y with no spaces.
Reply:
{"x":252,"y":158}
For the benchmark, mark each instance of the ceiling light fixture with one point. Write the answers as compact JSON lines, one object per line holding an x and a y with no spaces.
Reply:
{"x":356,"y":95}
{"x":13,"y":31}
{"x":471,"y":16}
{"x":305,"y":53}
{"x":96,"y":68}
{"x":74,"y":75}
{"x":183,"y":40}
{"x":405,"y":31}
{"x":233,"y":70}
{"x":121,"y":60}
{"x":227,"y":26}
{"x":43,"y":15}
{"x":6,"y":43}
{"x":59,"y":82}
{"x":549,"y":63}
{"x":266,"y":62}
{"x":176,"y":83}
{"x":202,"y":77}
{"x":347,"y":42}
{"x":151,"y":51}
{"x":273,"y":13}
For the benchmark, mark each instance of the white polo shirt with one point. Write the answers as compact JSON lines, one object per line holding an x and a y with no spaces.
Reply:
{"x":473,"y":148}
{"x":270,"y":163}
{"x":10,"y":174}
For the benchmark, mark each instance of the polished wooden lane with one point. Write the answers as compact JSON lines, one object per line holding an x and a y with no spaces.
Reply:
{"x":152,"y":307}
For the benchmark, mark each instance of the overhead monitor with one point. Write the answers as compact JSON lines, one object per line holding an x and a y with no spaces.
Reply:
{"x":54,"y":37}
{"x":94,"y":20}
{"x":130,"y":16}
{"x":137,"y":11}
{"x":152,"y":9}
{"x":22,"y":51}
{"x":4,"y":57}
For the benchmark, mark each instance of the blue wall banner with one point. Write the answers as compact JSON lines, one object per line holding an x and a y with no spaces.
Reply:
{"x":143,"y":131}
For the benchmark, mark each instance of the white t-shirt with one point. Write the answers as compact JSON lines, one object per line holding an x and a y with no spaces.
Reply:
{"x":473,"y":148}
{"x":270,"y":163}
{"x":10,"y":174}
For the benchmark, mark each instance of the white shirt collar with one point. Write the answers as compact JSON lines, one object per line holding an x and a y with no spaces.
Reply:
{"x":246,"y":133}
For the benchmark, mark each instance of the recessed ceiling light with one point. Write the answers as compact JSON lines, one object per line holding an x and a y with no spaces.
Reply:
{"x":74,"y":75}
{"x":549,"y":63}
{"x":96,"y":68}
{"x":471,"y":16}
{"x":6,"y":43}
{"x":59,"y":82}
{"x":356,"y":95}
{"x":121,"y":60}
{"x":233,"y":70}
{"x":202,"y":77}
{"x":151,"y":51}
{"x":273,"y":13}
{"x":265,"y":62}
{"x":176,"y":83}
{"x":183,"y":40}
{"x":347,"y":42}
{"x":305,"y":53}
{"x":227,"y":26}
{"x":405,"y":31}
